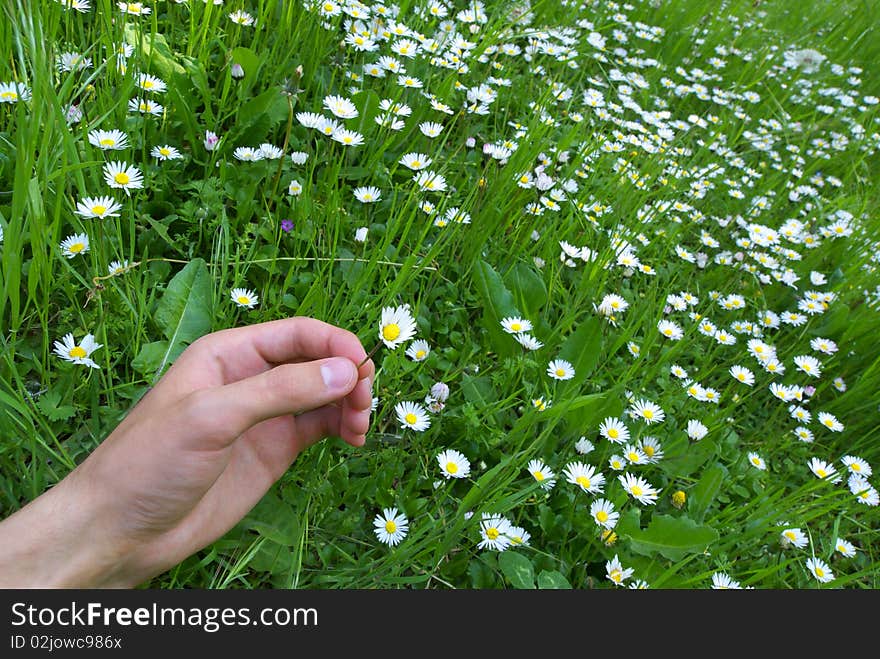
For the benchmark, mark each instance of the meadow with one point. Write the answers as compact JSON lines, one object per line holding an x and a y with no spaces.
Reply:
{"x":638,"y":242}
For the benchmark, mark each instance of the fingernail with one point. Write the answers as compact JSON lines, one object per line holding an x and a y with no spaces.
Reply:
{"x":337,"y":373}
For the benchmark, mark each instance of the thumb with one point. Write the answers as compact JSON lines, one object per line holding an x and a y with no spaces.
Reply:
{"x":284,"y":389}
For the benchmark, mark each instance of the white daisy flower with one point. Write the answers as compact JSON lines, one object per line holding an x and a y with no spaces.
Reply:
{"x":244,"y":297}
{"x":396,"y":326}
{"x":412,"y":415}
{"x":78,"y":353}
{"x":453,"y":464}
{"x":100,"y":207}
{"x":391,"y":526}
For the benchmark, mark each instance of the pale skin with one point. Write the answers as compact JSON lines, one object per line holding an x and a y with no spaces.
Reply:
{"x":193,"y":457}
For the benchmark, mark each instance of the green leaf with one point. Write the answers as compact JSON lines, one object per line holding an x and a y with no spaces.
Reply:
{"x":671,"y":537}
{"x":683,"y":457}
{"x":518,"y":569}
{"x":479,"y":488}
{"x":367,"y":104}
{"x":705,"y":491}
{"x":583,"y":349}
{"x":552,"y":580}
{"x":528,"y":288}
{"x":50,"y":405}
{"x":185,"y":311}
{"x":155,"y":50}
{"x":149,"y":357}
{"x":248,"y":60}
{"x":497,"y":304}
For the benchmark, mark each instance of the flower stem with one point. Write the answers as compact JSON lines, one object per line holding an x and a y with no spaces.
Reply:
{"x":370,"y":354}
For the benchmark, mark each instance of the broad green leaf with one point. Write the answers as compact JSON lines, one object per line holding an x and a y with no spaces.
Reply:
{"x":671,"y":537}
{"x":155,"y":50}
{"x":704,"y":492}
{"x":497,"y":304}
{"x":552,"y":580}
{"x":184,"y":313}
{"x":367,"y":104}
{"x":478,"y":390}
{"x":248,"y":60}
{"x":518,"y":569}
{"x":149,"y":357}
{"x":683,"y":457}
{"x":528,"y":289}
{"x":583,"y":348}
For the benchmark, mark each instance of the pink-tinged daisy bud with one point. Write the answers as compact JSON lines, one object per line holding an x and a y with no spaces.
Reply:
{"x":470,"y":142}
{"x":236,"y":71}
{"x":211,"y":140}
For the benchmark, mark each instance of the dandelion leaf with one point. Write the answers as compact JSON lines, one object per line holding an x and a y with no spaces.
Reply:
{"x":552,"y":580}
{"x":705,"y":491}
{"x":517,"y":569}
{"x":671,"y":537}
{"x":497,"y":304}
{"x":184,"y":314}
{"x":528,"y":289}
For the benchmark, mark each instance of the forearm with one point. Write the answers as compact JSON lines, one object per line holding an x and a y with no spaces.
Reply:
{"x":56,"y":541}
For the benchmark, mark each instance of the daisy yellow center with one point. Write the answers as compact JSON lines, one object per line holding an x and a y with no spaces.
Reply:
{"x":99,"y":210}
{"x":820,"y":572}
{"x":539,"y":475}
{"x":649,"y":450}
{"x":667,"y":332}
{"x":391,"y":331}
{"x":637,"y":491}
{"x":165,"y":151}
{"x":420,"y":354}
{"x":108,"y":141}
{"x":390,"y":526}
{"x":451,"y":467}
{"x":243,"y":299}
{"x":328,"y":130}
{"x":516,"y":327}
{"x":855,"y":467}
{"x":560,"y":372}
{"x":741,"y":376}
{"x":756,"y":461}
{"x":648,"y":414}
{"x":415,"y":163}
{"x":77,"y":352}
{"x":829,"y":422}
{"x":616,"y":464}
{"x":492,"y":533}
{"x":602,"y":516}
{"x":613,"y":433}
{"x":347,"y":139}
{"x":148,"y":84}
{"x":821,"y":473}
{"x":9,"y":95}
{"x":806,"y":367}
{"x":122,"y":178}
{"x":583,"y":481}
{"x":615,"y":576}
{"x":789,"y":535}
{"x":76,"y":248}
{"x":410,"y":418}
{"x":632,"y":456}
{"x":328,"y":7}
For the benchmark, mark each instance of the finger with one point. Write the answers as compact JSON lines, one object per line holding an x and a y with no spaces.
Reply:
{"x":356,"y":413}
{"x":244,"y":351}
{"x":324,"y":422}
{"x":217,"y":416}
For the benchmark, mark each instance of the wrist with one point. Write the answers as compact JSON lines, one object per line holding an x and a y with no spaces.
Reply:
{"x":56,"y":541}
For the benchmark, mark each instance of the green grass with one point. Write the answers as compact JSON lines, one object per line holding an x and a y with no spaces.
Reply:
{"x":631,"y":181}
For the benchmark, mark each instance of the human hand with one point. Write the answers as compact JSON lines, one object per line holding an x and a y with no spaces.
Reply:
{"x":193,"y":456}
